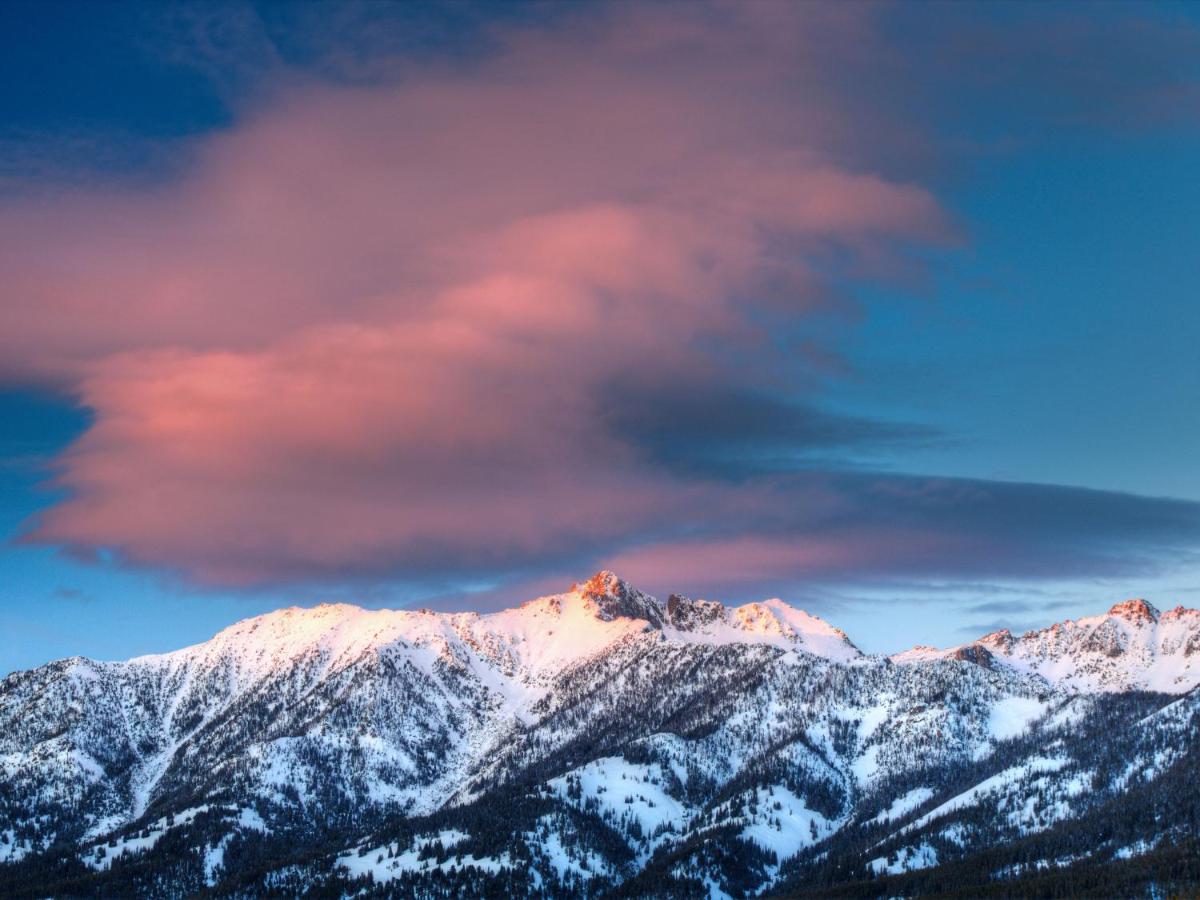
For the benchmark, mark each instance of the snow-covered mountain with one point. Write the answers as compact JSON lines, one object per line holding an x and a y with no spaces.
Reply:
{"x":1131,"y":647}
{"x":585,"y":742}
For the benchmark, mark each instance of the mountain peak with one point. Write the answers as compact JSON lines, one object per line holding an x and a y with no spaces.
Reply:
{"x":1001,"y":638}
{"x":605,"y":584}
{"x":613,"y":597}
{"x":1133,"y":645}
{"x":1179,"y":612}
{"x":1136,"y":610}
{"x":710,"y":621}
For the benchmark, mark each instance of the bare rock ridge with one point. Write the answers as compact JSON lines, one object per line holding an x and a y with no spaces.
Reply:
{"x":684,"y":619}
{"x":1132,"y":645}
{"x":614,"y":597}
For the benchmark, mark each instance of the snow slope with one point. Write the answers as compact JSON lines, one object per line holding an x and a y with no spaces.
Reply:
{"x":672,"y":724}
{"x":1132,"y":646}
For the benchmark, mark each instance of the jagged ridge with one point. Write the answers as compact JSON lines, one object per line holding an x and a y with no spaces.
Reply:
{"x":1132,"y":646}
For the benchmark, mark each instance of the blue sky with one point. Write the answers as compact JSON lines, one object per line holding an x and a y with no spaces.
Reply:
{"x":1025,"y":324}
{"x":1062,"y":354}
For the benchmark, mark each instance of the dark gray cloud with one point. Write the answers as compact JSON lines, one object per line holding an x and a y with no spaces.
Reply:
{"x":1014,"y":607}
{"x":73,"y":595}
{"x":733,"y":430}
{"x":783,"y":535}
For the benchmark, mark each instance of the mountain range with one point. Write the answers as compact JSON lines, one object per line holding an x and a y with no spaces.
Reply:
{"x":601,"y":742}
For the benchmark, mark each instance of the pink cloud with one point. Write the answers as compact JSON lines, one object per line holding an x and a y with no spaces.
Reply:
{"x":733,"y":562}
{"x":370,"y":329}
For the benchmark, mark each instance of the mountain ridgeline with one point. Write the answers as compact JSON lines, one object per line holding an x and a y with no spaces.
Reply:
{"x":602,"y":743}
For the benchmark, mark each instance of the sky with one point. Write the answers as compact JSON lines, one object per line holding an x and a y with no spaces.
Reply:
{"x":888,"y":310}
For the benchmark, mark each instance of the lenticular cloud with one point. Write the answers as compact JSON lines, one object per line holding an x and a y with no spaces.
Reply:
{"x":375,"y":328}
{"x":423,"y":326}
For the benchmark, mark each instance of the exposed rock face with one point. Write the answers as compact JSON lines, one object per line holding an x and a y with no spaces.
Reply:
{"x":1135,"y":611}
{"x":689,"y":615}
{"x":615,"y":599}
{"x":1001,"y":641}
{"x":976,"y":654}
